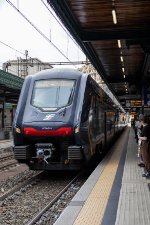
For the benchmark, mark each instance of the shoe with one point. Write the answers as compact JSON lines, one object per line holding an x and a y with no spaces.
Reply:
{"x":146,"y":174}
{"x":141,"y":164}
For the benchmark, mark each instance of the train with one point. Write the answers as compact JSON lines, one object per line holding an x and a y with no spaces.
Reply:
{"x":63,"y":119}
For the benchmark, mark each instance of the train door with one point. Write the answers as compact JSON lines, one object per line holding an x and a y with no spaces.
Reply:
{"x":86,"y":123}
{"x":91,"y":127}
{"x":89,"y":117}
{"x":105,"y":127}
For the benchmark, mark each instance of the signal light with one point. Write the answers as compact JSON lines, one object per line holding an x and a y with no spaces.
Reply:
{"x":18,"y":130}
{"x":76,"y":129}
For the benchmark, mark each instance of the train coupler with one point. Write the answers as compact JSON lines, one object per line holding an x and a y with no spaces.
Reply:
{"x":44,"y":152}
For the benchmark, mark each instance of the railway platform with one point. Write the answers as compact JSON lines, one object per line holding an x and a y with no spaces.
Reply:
{"x":6,"y":133}
{"x":115,"y":193}
{"x":5,"y":144}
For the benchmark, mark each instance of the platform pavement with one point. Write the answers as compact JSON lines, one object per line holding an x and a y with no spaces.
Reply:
{"x":133,"y":201}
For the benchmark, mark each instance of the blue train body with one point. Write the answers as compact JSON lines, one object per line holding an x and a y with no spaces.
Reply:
{"x":63,"y":118}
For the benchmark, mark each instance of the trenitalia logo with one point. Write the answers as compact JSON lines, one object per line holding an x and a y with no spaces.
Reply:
{"x":47,"y":128}
{"x":49,"y":116}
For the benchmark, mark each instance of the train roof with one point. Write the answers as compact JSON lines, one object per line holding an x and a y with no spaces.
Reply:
{"x":58,"y":73}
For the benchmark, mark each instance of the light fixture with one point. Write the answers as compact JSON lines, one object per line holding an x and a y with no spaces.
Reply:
{"x":119,"y":43}
{"x":114,"y":16}
{"x":121,"y":58}
{"x":124,"y":76}
{"x":123,"y":69}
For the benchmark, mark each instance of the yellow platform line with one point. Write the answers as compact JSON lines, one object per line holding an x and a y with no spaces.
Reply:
{"x":93,"y":211}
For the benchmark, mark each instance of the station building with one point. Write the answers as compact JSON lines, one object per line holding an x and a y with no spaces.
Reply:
{"x":23,"y":67}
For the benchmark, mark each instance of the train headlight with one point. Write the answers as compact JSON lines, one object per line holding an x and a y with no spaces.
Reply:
{"x":76,"y":129}
{"x":18,"y":130}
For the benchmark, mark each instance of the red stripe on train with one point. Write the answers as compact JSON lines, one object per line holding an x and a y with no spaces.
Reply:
{"x":63,"y":131}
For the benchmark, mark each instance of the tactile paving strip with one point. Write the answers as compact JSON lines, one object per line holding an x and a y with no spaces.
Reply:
{"x":94,"y":208}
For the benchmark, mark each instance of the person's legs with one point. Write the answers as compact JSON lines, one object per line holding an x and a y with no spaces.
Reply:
{"x":141,"y":163}
{"x":146,"y":159}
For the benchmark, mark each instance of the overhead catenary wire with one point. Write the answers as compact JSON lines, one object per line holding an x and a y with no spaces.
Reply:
{"x":11,"y":47}
{"x":59,"y":22}
{"x":15,"y":49}
{"x":38,"y":30}
{"x":69,"y":62}
{"x":51,"y":63}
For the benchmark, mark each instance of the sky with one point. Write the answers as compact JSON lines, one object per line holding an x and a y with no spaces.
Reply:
{"x":17,"y":33}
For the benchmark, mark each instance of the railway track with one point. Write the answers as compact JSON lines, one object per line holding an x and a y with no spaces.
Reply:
{"x":20,"y":185}
{"x":6,"y":156}
{"x":7,"y":161}
{"x":30,"y":200}
{"x":52,"y":202}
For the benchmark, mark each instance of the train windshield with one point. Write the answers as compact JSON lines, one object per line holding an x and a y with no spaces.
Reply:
{"x":52,"y":94}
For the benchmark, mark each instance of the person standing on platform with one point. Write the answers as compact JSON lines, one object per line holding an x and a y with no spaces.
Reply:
{"x":136,"y":122}
{"x":139,"y":130}
{"x":145,"y":145}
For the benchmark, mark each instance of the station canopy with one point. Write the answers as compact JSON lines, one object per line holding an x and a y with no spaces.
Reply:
{"x":10,"y":87}
{"x":115,"y":36}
